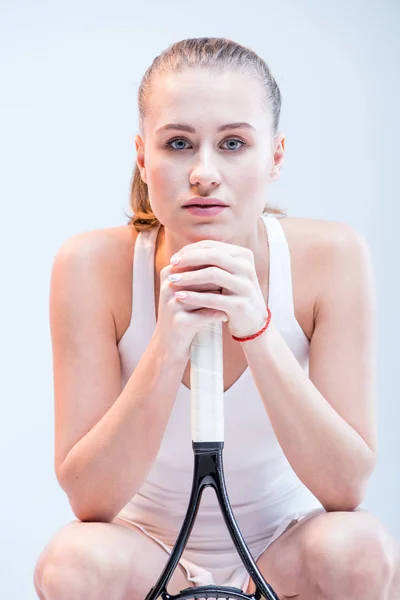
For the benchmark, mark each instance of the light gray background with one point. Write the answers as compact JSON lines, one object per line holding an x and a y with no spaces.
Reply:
{"x":68,"y":116}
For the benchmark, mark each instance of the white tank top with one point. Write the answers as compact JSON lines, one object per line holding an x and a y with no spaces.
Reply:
{"x":262,"y":486}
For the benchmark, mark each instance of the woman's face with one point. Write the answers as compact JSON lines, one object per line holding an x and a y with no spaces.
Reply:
{"x":233,"y":165}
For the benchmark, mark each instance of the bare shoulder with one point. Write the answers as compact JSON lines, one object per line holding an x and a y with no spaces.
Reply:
{"x":318,"y":239}
{"x":106,"y":254}
{"x":317,"y":234}
{"x":103,"y":245}
{"x":315,"y":244}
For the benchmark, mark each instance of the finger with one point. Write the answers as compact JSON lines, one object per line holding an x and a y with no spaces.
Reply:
{"x":193,"y":308}
{"x":242,"y":263}
{"x":215,"y":301}
{"x":210,"y":275}
{"x":232,"y":249}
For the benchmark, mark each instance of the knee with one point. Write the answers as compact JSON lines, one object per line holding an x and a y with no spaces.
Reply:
{"x":355,"y":562}
{"x":57,"y":582}
{"x":66,"y":574}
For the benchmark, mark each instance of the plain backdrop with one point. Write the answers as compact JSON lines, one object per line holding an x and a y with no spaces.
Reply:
{"x":68,"y":117}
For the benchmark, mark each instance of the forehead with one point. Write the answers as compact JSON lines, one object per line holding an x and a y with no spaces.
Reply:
{"x":200,"y":97}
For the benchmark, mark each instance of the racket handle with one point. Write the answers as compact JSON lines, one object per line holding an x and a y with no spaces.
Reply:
{"x":207,"y":384}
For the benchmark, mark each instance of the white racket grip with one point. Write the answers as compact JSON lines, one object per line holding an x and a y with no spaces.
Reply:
{"x":207,"y":385}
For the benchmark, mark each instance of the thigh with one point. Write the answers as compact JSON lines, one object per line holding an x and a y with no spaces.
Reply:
{"x":113,"y":560}
{"x":281,"y":563}
{"x":286,"y":563}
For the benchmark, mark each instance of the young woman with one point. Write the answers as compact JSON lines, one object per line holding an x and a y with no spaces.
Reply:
{"x":300,"y":395}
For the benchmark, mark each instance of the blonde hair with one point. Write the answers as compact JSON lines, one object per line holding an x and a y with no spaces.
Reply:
{"x":215,"y":55}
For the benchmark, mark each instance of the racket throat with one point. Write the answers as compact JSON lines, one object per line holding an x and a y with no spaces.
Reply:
{"x":208,"y":471}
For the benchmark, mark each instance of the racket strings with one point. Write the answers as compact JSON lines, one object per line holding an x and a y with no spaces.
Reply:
{"x":213,"y":593}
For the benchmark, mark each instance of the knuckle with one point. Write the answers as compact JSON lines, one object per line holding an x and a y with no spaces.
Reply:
{"x":247,"y":288}
{"x":176,"y":307}
{"x":241,"y":304}
{"x":212,"y":274}
{"x":165,"y":271}
{"x":164,"y":286}
{"x":171,"y":304}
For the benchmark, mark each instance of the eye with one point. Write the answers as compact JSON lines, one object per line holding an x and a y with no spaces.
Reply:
{"x":169,"y":146}
{"x":236,"y":140}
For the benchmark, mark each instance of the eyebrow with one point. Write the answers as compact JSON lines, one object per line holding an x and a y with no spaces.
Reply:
{"x":182,"y":127}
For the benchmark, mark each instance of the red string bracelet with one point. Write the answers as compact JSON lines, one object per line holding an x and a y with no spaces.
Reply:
{"x":251,"y":337}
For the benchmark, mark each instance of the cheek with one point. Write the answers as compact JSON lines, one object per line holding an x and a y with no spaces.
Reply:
{"x":162,"y":178}
{"x":252,"y":180}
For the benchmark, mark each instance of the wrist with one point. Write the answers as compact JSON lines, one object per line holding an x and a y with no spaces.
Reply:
{"x":170,"y":354}
{"x":258,"y":332}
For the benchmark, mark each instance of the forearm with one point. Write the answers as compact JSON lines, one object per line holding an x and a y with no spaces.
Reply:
{"x":327,"y":454}
{"x":105,"y":469}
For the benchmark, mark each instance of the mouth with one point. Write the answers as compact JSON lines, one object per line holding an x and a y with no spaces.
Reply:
{"x":207,"y":202}
{"x":204,"y":209}
{"x":204,"y":205}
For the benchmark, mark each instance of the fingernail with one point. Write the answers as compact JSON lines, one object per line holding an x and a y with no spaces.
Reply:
{"x":181,"y":295}
{"x":174,"y":277}
{"x":175,"y":259}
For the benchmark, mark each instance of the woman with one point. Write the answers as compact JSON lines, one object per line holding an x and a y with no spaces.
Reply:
{"x":301,"y":392}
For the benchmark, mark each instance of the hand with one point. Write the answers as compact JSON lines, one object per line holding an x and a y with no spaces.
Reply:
{"x":178,"y":323}
{"x":229,"y":268}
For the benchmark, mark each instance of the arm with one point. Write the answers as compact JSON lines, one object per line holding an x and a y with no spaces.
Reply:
{"x":325,"y":423}
{"x":106,"y":440}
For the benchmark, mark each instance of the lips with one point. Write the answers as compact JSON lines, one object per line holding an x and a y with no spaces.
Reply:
{"x":204,"y":202}
{"x":204,"y":210}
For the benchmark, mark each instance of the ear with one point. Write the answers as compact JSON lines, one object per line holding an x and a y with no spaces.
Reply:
{"x":139,"y":143}
{"x":279,"y":153}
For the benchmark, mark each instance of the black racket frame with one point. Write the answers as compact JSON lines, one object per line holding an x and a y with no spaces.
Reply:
{"x":208,"y":471}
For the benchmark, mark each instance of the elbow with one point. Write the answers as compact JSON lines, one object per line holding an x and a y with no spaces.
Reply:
{"x":359,"y":490}
{"x":340,"y":498}
{"x":81,"y":500}
{"x":342,"y":505}
{"x":345,"y":503}
{"x":354,"y":492}
{"x":92,"y":517}
{"x":90,"y":514}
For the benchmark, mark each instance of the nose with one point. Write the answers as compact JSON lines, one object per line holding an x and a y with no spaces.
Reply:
{"x":204,"y":171}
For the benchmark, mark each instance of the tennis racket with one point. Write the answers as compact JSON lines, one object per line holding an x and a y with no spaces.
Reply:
{"x":207,"y":426}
